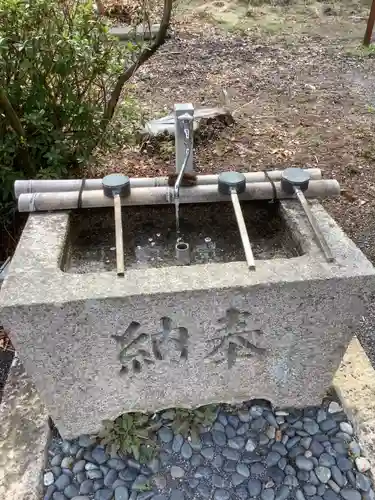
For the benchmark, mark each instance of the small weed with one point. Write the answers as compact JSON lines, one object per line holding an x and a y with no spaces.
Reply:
{"x":132,"y":434}
{"x":190,"y":422}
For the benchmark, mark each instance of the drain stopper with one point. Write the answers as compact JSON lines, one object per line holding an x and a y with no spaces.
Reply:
{"x":115,"y":186}
{"x":234,"y":183}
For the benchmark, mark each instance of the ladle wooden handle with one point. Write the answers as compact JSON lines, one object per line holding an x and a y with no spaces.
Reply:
{"x":119,"y":236}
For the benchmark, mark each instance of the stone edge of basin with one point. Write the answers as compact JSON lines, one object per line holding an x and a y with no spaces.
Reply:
{"x":26,"y":431}
{"x":25,"y":434}
{"x":35,"y":274}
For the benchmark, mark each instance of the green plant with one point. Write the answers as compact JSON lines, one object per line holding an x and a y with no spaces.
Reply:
{"x":190,"y":422}
{"x":132,"y":434}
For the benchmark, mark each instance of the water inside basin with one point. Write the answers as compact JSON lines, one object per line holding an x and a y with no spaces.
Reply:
{"x":150,"y":236}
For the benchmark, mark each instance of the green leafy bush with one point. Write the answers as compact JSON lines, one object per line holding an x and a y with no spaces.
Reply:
{"x":190,"y":422}
{"x":132,"y":434}
{"x":58,"y":66}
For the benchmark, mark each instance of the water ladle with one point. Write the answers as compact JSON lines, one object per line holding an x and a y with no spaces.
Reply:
{"x":296,"y":180}
{"x":115,"y":186}
{"x":234,"y":183}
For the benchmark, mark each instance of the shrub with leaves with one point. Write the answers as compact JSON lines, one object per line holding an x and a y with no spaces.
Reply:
{"x":190,"y":422}
{"x":131,"y":434}
{"x":58,"y":67}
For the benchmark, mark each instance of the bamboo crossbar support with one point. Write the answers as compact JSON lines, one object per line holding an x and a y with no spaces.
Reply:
{"x":34,"y":202}
{"x":59,"y":186}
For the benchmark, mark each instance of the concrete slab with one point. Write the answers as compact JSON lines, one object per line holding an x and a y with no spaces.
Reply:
{"x":97,"y":346}
{"x":24,"y":437}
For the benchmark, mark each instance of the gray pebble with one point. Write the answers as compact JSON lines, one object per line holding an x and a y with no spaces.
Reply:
{"x":219,"y":438}
{"x":282,"y":463}
{"x":351,"y":478}
{"x":256,"y":411}
{"x":98,"y":485}
{"x":299,"y":495}
{"x":276,"y":474}
{"x":362,"y":482}
{"x":48,"y":478}
{"x":58,"y":496}
{"x":79,"y":466}
{"x":369,"y":495}
{"x":196,"y":444}
{"x":49,"y":492}
{"x":80,"y":477}
{"x":338,"y":476}
{"x":175,"y":495}
{"x":203,"y":473}
{"x":178,"y":441}
{"x":289,"y":470}
{"x":237,"y":479}
{"x":304,"y":463}
{"x":280,"y":448}
{"x":160,"y":482}
{"x":316,"y":448}
{"x":140,"y":483}
{"x":222,"y":418}
{"x":271,"y":419}
{"x":116,"y":463}
{"x":347,"y":428}
{"x":335,"y":487}
{"x":243,"y":469}
{"x":283,"y":493}
{"x":323,"y":474}
{"x":328,"y":425}
{"x":110,"y":478}
{"x":330,"y":495}
{"x":146,"y":495}
{"x":311,"y":426}
{"x":208,"y":453}
{"x":196,"y":460}
{"x":250,"y":445}
{"x":321,"y":415}
{"x":309,"y":490}
{"x":67,"y":462}
{"x":242,"y":493}
{"x":56,"y":460}
{"x":258,"y":424}
{"x":263,"y":439}
{"x":218,"y":462}
{"x":231,"y":454}
{"x":62,"y":482}
{"x":65,"y":446}
{"x":341,"y":448}
{"x":86,"y":487}
{"x":271,"y":432}
{"x":230,"y":432}
{"x":314,"y":478}
{"x":244,"y":416}
{"x":268,"y":494}
{"x":91,"y":466}
{"x":344,"y":464}
{"x":250,"y":457}
{"x":292,"y":442}
{"x":133,"y":464}
{"x":230,"y":466}
{"x":165,"y":435}
{"x":242,"y":429}
{"x":67,"y":472}
{"x":121,"y":493}
{"x":344,"y":437}
{"x":237,"y":443}
{"x":80,"y":454}
{"x":272,"y":458}
{"x":291,"y":481}
{"x":234,"y":421}
{"x":158,"y":497}
{"x":258,"y":469}
{"x":99,"y":455}
{"x":303,"y":475}
{"x":128,"y":474}
{"x":218,"y":427}
{"x":154,"y":465}
{"x":86,"y":441}
{"x":203,"y":490}
{"x":218,"y":481}
{"x":327,"y":460}
{"x":177,"y":472}
{"x":87,"y":456}
{"x":306,"y":442}
{"x":186,"y":451}
{"x":71,"y":491}
{"x":221,"y":494}
{"x":254,"y":486}
{"x":94,"y":474}
{"x":117,"y":483}
{"x":349,"y":494}
{"x":104,"y":494}
{"x":353,"y":447}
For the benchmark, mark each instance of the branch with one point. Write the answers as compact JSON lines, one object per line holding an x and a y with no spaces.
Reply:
{"x":10,"y":114}
{"x":144,"y":56}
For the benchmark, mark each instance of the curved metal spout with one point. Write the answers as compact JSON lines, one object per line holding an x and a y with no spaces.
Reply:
{"x":181,"y":174}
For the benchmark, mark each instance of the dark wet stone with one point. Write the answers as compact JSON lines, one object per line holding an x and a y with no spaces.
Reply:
{"x":80,"y":477}
{"x":99,"y":455}
{"x":116,"y":463}
{"x":351,"y":478}
{"x":196,"y":460}
{"x":349,"y":494}
{"x":49,"y":492}
{"x":250,"y":457}
{"x":71,"y":491}
{"x":254,"y":487}
{"x":289,"y":470}
{"x":193,"y":483}
{"x":344,"y":464}
{"x":314,"y":478}
{"x":165,"y":435}
{"x":159,"y":497}
{"x":231,"y":454}
{"x":175,"y":495}
{"x":110,"y":478}
{"x":276,"y":474}
{"x":244,"y":416}
{"x":330,"y":495}
{"x":362,"y":482}
{"x":104,"y":494}
{"x":218,"y":481}
{"x":242,"y":429}
{"x":258,"y":424}
{"x":234,"y":421}
{"x":272,"y":458}
{"x":56,"y":460}
{"x":257,"y":469}
{"x":283,"y":493}
{"x":219,"y":438}
{"x":128,"y":474}
{"x":309,"y":490}
{"x":206,"y":438}
{"x":218,"y":427}
{"x":230,"y":466}
{"x":104,"y":469}
{"x":98,"y":484}
{"x":323,"y":474}
{"x":86,"y":487}
{"x":242,"y":493}
{"x":230,"y":432}
{"x":327,"y":460}
{"x":271,"y":419}
{"x":292,"y":442}
{"x":237,"y":479}
{"x":237,"y":443}
{"x":328,"y":425}
{"x":320,"y":490}
{"x":299,"y":495}
{"x":316,"y":448}
{"x":268,"y":494}
{"x":296,"y":451}
{"x":203,"y":472}
{"x":217,"y":462}
{"x":304,"y":463}
{"x":223,"y":419}
{"x":311,"y":427}
{"x":186,"y":451}
{"x":280,"y":448}
{"x":62,"y":482}
{"x":140,"y":483}
{"x":94,"y":474}
{"x":282,"y":463}
{"x":291,"y":481}
{"x":303,"y":475}
{"x":306,"y":442}
{"x":204,"y":490}
{"x":208,"y":453}
{"x":56,"y":471}
{"x":58,"y":496}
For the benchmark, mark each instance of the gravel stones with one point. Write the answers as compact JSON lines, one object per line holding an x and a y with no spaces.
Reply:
{"x":62,"y":482}
{"x":304,"y":463}
{"x":221,"y":494}
{"x":323,"y":474}
{"x":177,"y":472}
{"x":254,"y":487}
{"x":219,"y":438}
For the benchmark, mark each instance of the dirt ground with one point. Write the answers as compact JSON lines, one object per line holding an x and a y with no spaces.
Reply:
{"x":299,"y":84}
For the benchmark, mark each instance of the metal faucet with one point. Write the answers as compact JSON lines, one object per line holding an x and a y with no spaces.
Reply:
{"x":187,"y":124}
